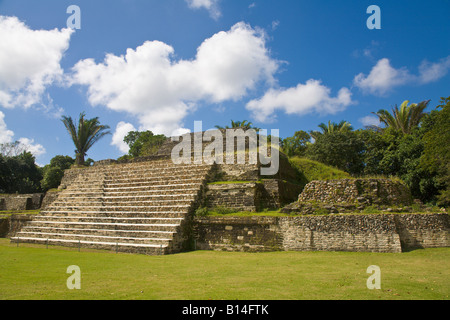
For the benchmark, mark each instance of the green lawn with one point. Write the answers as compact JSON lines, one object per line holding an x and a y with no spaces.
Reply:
{"x":34,"y":272}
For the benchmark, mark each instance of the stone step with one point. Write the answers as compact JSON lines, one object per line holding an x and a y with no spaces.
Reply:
{"x":168,"y":184}
{"x":171,"y":227}
{"x":121,"y":203}
{"x":131,"y":196}
{"x":159,"y":182}
{"x":130,"y":207}
{"x":122,"y":208}
{"x":165,"y":214}
{"x":90,"y":237}
{"x":157,"y":220}
{"x":97,"y":172}
{"x":150,"y":249}
{"x":103,"y":232}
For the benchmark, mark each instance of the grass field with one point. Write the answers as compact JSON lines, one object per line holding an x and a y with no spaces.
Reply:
{"x":34,"y":272}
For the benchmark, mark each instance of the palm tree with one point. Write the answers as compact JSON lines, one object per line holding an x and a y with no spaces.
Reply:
{"x":88,"y":132}
{"x":406,"y":118}
{"x":342,"y":126}
{"x":239,"y":124}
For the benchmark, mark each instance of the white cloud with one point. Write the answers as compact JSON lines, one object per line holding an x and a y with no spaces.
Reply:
{"x":382,"y":78}
{"x":7,"y":136}
{"x":431,"y":72}
{"x":370,"y":121}
{"x":29,"y":61}
{"x":35,"y":148}
{"x":211,"y":5}
{"x":161,"y":91}
{"x":122,"y":130}
{"x":302,"y":99}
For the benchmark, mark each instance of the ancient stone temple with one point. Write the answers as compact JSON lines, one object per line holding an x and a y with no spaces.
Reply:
{"x":146,"y":205}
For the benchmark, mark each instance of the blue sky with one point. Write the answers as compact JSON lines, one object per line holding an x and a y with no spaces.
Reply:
{"x":161,"y":65}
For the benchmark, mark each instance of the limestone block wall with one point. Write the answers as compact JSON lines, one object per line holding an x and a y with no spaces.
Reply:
{"x":251,"y":196}
{"x":237,"y":196}
{"x":365,"y":233}
{"x":423,"y":230}
{"x":252,"y":234}
{"x":362,"y":191}
{"x":15,"y":222}
{"x":21,"y":201}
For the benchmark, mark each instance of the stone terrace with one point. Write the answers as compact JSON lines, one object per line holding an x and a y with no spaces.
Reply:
{"x":129,"y":207}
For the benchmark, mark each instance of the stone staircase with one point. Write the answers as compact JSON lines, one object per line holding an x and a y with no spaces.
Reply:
{"x":130,"y":207}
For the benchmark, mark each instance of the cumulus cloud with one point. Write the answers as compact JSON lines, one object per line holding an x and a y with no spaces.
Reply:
{"x":302,"y":99}
{"x":370,"y":121}
{"x":122,"y":130}
{"x":161,"y":91}
{"x":211,"y":5}
{"x":7,"y":136}
{"x":29,"y":61}
{"x":384,"y":78}
{"x":29,"y":145}
{"x":431,"y":72}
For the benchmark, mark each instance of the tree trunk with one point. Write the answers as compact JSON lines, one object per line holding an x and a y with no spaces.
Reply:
{"x":79,"y":161}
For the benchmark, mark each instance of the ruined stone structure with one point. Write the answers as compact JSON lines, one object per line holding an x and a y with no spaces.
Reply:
{"x":366,"y":233}
{"x":21,"y":201}
{"x":350,"y":195}
{"x":132,"y":207}
{"x":147,"y":205}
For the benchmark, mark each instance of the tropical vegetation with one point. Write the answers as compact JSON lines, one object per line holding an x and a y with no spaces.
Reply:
{"x":88,"y":132}
{"x":410,"y":144}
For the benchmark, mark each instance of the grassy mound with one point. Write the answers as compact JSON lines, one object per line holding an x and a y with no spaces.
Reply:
{"x":310,"y":170}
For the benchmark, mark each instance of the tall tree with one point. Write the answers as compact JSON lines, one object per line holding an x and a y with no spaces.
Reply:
{"x":341,"y":149}
{"x":405,"y":118}
{"x":19,"y":173}
{"x":143,"y":143}
{"x":89,"y":131}
{"x":436,"y":155}
{"x":297,"y":144}
{"x":331,"y":127}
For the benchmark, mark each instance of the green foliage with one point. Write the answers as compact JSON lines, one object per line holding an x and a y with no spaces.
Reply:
{"x":340,"y":149}
{"x":52,"y":178}
{"x":239,"y":124}
{"x":143,"y":143}
{"x":331,"y":127}
{"x":88,"y":132}
{"x":297,"y":144}
{"x":223,"y":210}
{"x":53,"y":172}
{"x":62,"y":162}
{"x":405,"y":119}
{"x":436,"y":153}
{"x":19,"y":174}
{"x":391,"y":152}
{"x":201,"y":212}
